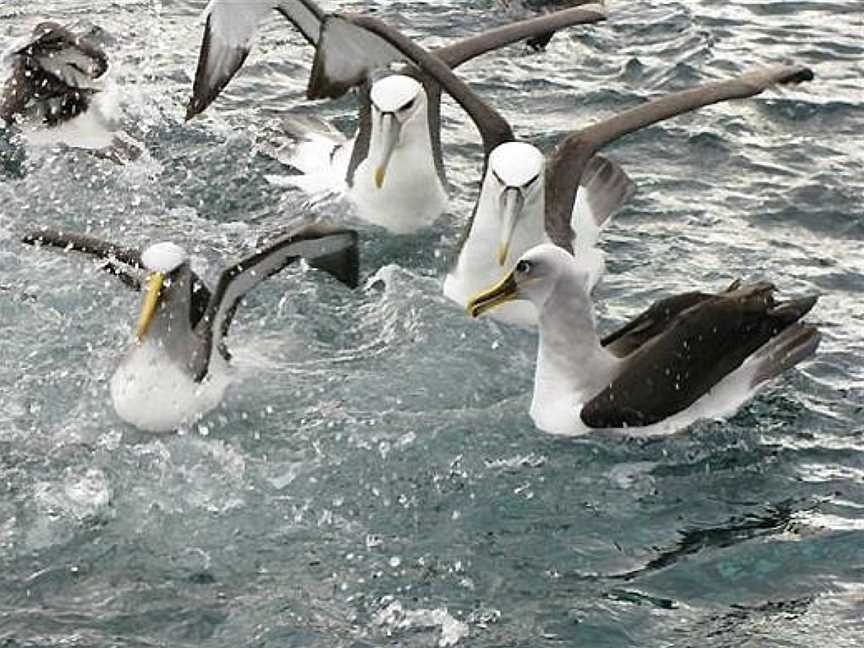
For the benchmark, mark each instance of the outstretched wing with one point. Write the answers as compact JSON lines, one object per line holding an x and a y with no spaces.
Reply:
{"x":228,"y":35}
{"x":331,"y":248}
{"x":567,"y":163}
{"x":335,"y":67}
{"x":467,"y":48}
{"x":114,"y":256}
{"x":700,"y":346}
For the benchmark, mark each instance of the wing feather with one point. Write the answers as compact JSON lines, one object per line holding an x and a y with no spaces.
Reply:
{"x":567,"y":163}
{"x":468,"y":48}
{"x":229,"y":32}
{"x":333,"y":249}
{"x":337,"y":68}
{"x":697,"y":348}
{"x":110,"y":253}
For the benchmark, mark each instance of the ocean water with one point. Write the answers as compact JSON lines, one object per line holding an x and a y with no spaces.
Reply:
{"x":373,"y":478}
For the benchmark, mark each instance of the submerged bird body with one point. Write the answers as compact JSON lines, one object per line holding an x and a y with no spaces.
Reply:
{"x":55,"y":77}
{"x":690,"y":356}
{"x":177,"y":368}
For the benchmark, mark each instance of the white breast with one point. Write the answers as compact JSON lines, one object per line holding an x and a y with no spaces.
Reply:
{"x":412,"y":195}
{"x":154,"y":394}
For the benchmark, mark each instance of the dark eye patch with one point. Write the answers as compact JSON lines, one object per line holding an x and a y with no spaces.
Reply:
{"x":524,"y":267}
{"x":409,"y":105}
{"x":531,"y":181}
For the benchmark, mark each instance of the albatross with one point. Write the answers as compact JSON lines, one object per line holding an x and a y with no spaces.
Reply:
{"x":527,"y":198}
{"x":56,"y":92}
{"x":391,"y":170}
{"x":176,"y":369}
{"x":689,"y":356}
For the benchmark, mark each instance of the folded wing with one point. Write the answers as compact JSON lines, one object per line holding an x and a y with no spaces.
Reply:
{"x":697,"y":348}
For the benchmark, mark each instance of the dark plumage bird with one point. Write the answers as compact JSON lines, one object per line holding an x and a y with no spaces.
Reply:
{"x":55,"y":76}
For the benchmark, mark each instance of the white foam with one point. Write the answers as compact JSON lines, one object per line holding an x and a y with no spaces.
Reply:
{"x":395,"y":617}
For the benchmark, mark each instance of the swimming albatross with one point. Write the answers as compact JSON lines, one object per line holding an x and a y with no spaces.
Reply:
{"x":565,"y":197}
{"x":57,"y":82}
{"x":689,"y":356}
{"x":176,"y":369}
{"x":392,"y":169}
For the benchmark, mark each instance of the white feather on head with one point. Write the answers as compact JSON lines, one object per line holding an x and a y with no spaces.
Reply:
{"x":516,"y":163}
{"x":163,"y":257}
{"x":392,"y":92}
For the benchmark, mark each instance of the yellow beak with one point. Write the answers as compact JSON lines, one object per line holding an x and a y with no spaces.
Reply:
{"x":512,"y":203}
{"x":502,"y":292}
{"x":379,"y":176}
{"x":151,"y":300}
{"x":389,"y":138}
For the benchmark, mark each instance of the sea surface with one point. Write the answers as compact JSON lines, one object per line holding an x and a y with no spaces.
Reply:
{"x":373,"y":477}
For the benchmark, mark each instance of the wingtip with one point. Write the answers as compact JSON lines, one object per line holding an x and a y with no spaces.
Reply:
{"x":799,"y":75}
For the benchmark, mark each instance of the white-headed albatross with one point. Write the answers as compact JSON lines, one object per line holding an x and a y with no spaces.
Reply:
{"x":391,"y":169}
{"x":690,"y":356}
{"x":176,"y":370}
{"x":565,"y":197}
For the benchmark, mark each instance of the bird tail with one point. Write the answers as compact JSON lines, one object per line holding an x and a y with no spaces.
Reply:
{"x":316,"y":155}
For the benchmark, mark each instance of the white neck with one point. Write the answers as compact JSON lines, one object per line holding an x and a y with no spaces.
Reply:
{"x":572,"y":365}
{"x":477,"y":266}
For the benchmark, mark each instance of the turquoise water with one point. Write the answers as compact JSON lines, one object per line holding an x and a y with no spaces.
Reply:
{"x":373,"y":478}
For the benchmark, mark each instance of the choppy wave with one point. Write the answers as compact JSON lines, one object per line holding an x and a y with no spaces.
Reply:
{"x":374,"y":477}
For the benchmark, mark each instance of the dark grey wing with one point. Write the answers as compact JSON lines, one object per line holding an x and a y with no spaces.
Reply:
{"x":467,"y":48}
{"x":699,"y":347}
{"x":335,"y":67}
{"x":567,"y":163}
{"x":635,"y":333}
{"x":346,"y":57}
{"x":329,"y":248}
{"x":114,"y":256}
{"x":228,"y":35}
{"x":363,"y":138}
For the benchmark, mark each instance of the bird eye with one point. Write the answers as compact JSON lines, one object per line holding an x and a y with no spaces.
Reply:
{"x":408,"y":106}
{"x":524,"y":267}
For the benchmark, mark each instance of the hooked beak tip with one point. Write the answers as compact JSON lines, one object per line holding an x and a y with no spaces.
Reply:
{"x":379,"y":177}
